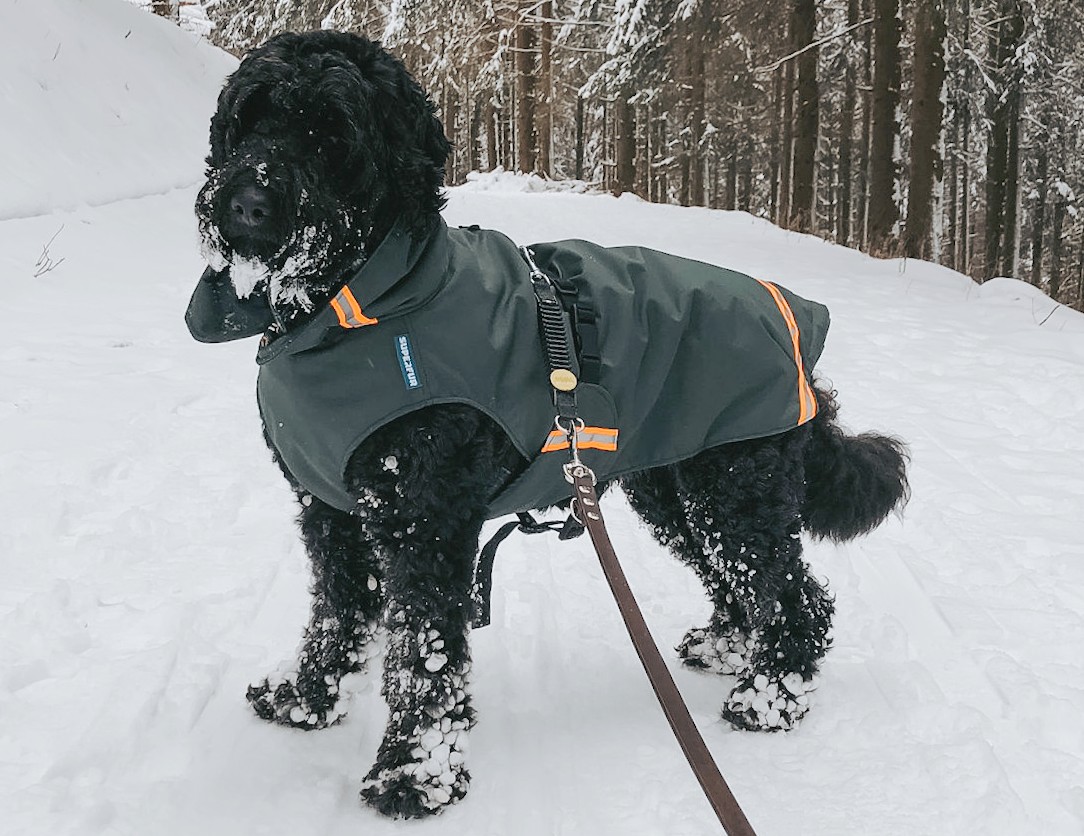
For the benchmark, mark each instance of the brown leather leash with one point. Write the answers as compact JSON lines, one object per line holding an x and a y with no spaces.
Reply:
{"x":558,"y":341}
{"x":692,"y":744}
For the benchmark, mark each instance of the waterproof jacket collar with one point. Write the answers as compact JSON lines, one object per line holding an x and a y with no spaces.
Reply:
{"x":377,"y":290}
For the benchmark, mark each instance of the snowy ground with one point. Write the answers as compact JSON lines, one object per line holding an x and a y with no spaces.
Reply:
{"x":150,"y":569}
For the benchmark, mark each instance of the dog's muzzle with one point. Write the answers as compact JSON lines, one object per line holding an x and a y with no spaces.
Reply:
{"x":251,"y":211}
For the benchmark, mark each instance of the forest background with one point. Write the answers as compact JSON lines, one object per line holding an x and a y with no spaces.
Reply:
{"x":948,"y":130}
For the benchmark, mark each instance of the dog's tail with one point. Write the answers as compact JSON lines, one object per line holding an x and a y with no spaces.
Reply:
{"x":852,"y":482}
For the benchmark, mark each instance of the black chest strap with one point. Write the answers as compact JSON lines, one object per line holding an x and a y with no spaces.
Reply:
{"x":561,"y":305}
{"x":482,"y":590}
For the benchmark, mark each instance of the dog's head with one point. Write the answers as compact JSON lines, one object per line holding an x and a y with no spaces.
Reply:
{"x":321,"y":142}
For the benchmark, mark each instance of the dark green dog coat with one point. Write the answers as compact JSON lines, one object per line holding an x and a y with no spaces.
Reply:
{"x":692,"y":356}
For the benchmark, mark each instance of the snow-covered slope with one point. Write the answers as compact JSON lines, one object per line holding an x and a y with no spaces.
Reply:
{"x":98,"y":103}
{"x":150,"y":569}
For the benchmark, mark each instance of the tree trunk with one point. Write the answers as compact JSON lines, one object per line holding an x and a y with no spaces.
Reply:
{"x":1038,"y":214}
{"x":1080,"y":270}
{"x":506,"y":119}
{"x":646,"y":154}
{"x":579,"y":137}
{"x":1054,"y":290}
{"x":662,"y":178}
{"x":1010,"y":249}
{"x":491,"y":135}
{"x":624,"y":145}
{"x":696,"y":106}
{"x":476,"y":117}
{"x":926,"y":113}
{"x":1003,"y":147}
{"x":963,"y":259}
{"x":802,"y":207}
{"x":884,"y":130}
{"x":526,"y":148}
{"x":846,"y":134}
{"x":774,"y":150}
{"x":447,"y":116}
{"x":787,"y":144}
{"x":607,"y":159}
{"x":953,"y":175}
{"x":862,"y":209}
{"x":830,"y":191}
{"x":731,"y":200}
{"x":745,"y":194}
{"x":545,"y":109}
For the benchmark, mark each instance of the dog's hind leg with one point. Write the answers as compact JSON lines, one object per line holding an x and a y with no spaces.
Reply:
{"x":346,"y":606}
{"x":718,"y":647}
{"x":742,"y":504}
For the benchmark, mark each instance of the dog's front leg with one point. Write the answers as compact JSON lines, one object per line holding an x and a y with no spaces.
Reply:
{"x":427,"y":524}
{"x":346,"y":607}
{"x":420,"y":766}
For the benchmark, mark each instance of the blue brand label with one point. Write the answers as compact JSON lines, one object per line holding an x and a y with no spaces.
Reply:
{"x":406,"y":362}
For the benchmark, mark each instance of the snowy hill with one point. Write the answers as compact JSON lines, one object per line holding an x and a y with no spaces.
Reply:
{"x":99,"y":99}
{"x":150,"y":568}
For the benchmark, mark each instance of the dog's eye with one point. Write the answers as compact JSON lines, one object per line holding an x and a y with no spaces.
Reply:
{"x":250,"y":111}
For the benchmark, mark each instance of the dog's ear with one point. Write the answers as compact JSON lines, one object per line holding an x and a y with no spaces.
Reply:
{"x":417,"y":147}
{"x":244,"y":98}
{"x":241,"y":93}
{"x":219,"y":124}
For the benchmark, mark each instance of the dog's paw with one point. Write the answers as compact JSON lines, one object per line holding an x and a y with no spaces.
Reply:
{"x":279,"y":700}
{"x":705,"y":650}
{"x":433,"y":777}
{"x":760,"y":703}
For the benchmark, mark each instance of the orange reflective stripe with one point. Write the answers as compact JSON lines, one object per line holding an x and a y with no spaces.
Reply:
{"x":807,"y":401}
{"x":589,"y":438}
{"x":348,"y":310}
{"x":340,"y":313}
{"x":597,"y":438}
{"x":556,"y":440}
{"x":356,"y":308}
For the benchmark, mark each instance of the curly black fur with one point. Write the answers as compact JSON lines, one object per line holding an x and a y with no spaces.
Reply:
{"x":335,"y":141}
{"x":321,"y":142}
{"x":850,"y":480}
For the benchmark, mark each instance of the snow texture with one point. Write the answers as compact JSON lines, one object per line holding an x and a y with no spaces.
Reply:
{"x":101,"y":101}
{"x":151,"y":569}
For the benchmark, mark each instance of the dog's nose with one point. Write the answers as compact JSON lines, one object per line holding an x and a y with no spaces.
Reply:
{"x":251,"y":206}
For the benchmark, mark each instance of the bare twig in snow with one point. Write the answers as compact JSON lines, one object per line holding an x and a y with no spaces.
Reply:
{"x":45,"y":262}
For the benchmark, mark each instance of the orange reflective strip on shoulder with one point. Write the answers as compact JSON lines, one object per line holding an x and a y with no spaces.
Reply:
{"x":348,"y":310}
{"x":807,"y":401}
{"x":356,"y":308}
{"x":340,"y":313}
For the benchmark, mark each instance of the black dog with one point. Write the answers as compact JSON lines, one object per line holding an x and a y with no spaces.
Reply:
{"x":323,"y":149}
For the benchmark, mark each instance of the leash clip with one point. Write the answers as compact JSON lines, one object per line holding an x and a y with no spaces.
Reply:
{"x":572,"y":430}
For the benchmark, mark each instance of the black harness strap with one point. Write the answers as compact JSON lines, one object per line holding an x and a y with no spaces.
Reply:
{"x":576,"y":300}
{"x":482,"y":590}
{"x":556,"y":336}
{"x":555,"y":310}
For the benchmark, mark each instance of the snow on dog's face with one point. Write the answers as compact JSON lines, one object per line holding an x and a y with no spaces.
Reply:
{"x":319,"y":143}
